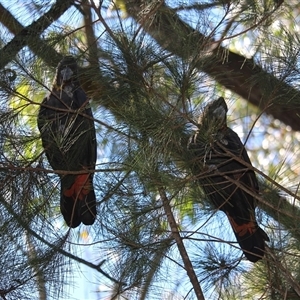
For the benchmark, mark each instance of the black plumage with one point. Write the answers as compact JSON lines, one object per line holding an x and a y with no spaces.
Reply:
{"x":227,"y":182}
{"x":65,"y":121}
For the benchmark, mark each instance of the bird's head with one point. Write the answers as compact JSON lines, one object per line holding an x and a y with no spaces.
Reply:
{"x":214,"y":116}
{"x":67,"y":72}
{"x":211,"y":124}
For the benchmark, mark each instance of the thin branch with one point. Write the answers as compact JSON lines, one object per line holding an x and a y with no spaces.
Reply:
{"x":150,"y":276}
{"x":288,"y":276}
{"x":184,"y":255}
{"x":40,"y":279}
{"x":199,"y":7}
{"x":22,"y":222}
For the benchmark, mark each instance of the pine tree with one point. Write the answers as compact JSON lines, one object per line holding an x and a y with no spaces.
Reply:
{"x":149,"y":68}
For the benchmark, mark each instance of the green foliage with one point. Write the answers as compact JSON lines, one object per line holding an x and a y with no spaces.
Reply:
{"x":146,"y":96}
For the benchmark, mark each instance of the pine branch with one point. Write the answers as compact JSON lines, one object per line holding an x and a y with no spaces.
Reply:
{"x":157,"y":260}
{"x":37,"y":45}
{"x":89,"y":32}
{"x":246,"y":78}
{"x":233,"y":71}
{"x":184,"y":255}
{"x":277,"y":206}
{"x":22,"y":222}
{"x":29,"y":33}
{"x":287,"y":274}
{"x":40,"y":280}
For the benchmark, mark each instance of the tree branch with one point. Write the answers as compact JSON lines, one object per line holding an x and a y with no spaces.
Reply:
{"x":233,"y":71}
{"x":40,"y":278}
{"x":181,"y":248}
{"x":89,"y":33}
{"x":29,"y":34}
{"x":23,"y":223}
{"x":37,"y":45}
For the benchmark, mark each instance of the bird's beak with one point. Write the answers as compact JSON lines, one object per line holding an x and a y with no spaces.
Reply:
{"x":66,"y":74}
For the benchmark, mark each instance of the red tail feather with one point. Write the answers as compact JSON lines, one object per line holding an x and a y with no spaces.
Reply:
{"x":80,"y":188}
{"x":243,"y":229}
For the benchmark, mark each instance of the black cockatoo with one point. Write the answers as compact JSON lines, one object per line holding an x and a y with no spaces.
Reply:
{"x":218,"y":166}
{"x":68,"y":135}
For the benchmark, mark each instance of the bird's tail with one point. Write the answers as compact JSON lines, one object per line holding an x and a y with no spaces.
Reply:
{"x":78,"y":201}
{"x":250,"y":237}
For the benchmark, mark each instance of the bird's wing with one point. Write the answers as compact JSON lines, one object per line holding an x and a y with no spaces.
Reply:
{"x":83,"y":105}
